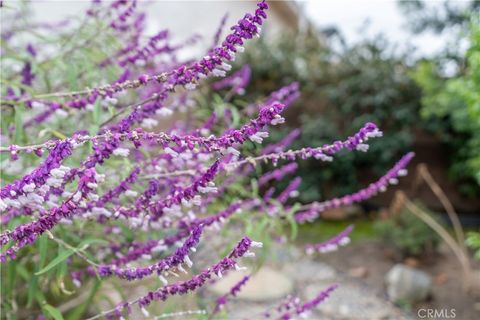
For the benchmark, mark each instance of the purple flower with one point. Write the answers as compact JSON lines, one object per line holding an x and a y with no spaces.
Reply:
{"x":27,"y":74}
{"x":195,"y":282}
{"x":222,"y":300}
{"x":162,"y":267}
{"x":31,"y":50}
{"x":278,"y":174}
{"x":313,"y":210}
{"x":237,"y":81}
{"x":302,"y":310}
{"x":289,"y":190}
{"x":331,"y":244}
{"x":37,"y":178}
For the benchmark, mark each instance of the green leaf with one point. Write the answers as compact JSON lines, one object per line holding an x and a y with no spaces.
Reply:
{"x":254,"y":186}
{"x":291,"y":220}
{"x":18,"y":124}
{"x":235,"y":117}
{"x":72,"y":76}
{"x":23,"y":272}
{"x":32,"y":288}
{"x":42,"y":248}
{"x":78,"y":311}
{"x":217,"y":99}
{"x":61,"y":257}
{"x":12,"y":273}
{"x":97,"y":111}
{"x":54,"y":312}
{"x":67,"y":253}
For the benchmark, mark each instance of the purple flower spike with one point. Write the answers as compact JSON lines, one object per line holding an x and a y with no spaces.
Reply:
{"x":221,"y":301}
{"x":278,"y":174}
{"x":194,"y":283}
{"x":312,"y":211}
{"x":290,"y":190}
{"x":174,"y":261}
{"x":342,"y":239}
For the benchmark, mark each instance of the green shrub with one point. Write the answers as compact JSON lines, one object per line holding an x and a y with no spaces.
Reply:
{"x":341,"y":89}
{"x":409,"y":235}
{"x":473,"y":241}
{"x":451,"y":104}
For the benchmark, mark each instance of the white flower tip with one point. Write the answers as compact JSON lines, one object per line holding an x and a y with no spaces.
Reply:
{"x":77,"y":283}
{"x":28,"y":187}
{"x":149,"y":123}
{"x":257,"y":244}
{"x":362,"y":147}
{"x":122,"y":152}
{"x":233,"y":151}
{"x":164,"y":112}
{"x":188,"y":261}
{"x":249,"y":254}
{"x":171,"y":152}
{"x":278,"y":119}
{"x":393,"y":181}
{"x":344,"y":241}
{"x":238,"y":268}
{"x":163,"y":279}
{"x":190,"y":86}
{"x":145,"y":312}
{"x":131,"y":193}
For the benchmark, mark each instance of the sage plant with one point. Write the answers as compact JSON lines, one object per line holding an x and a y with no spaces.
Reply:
{"x":118,"y":165}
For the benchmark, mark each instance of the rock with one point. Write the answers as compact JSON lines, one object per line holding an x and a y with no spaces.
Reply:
{"x":266,"y":284}
{"x":412,"y":262}
{"x":307,"y":271}
{"x":474,"y":283}
{"x":350,"y":301}
{"x":441,"y":278}
{"x":477,"y":306}
{"x":243,"y":310}
{"x":407,"y":285}
{"x":359,"y":272}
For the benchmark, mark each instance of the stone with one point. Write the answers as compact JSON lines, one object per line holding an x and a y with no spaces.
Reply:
{"x":266,"y":284}
{"x":246,"y":309}
{"x":474,"y":283}
{"x":350,"y":301}
{"x":441,"y":278}
{"x":407,"y":285}
{"x":307,"y":271}
{"x":358,"y":272}
{"x":412,"y":262}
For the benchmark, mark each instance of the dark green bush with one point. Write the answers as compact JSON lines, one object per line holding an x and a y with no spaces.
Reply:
{"x":341,"y":89}
{"x":407,"y":234}
{"x":451,"y":104}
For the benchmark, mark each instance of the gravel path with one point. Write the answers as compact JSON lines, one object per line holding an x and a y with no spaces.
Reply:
{"x":352,"y":300}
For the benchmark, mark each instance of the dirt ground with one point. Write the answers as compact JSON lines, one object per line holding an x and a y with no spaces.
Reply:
{"x":370,"y":261}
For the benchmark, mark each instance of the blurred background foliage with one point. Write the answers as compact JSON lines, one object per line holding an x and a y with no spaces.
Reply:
{"x":407,"y":234}
{"x":344,"y":85}
{"x":451,"y":106}
{"x":347,"y":87}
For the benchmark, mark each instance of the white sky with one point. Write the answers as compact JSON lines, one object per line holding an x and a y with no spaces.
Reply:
{"x":384,"y":16}
{"x":347,"y":15}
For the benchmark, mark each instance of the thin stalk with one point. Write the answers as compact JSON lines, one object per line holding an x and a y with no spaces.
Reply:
{"x":449,"y":240}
